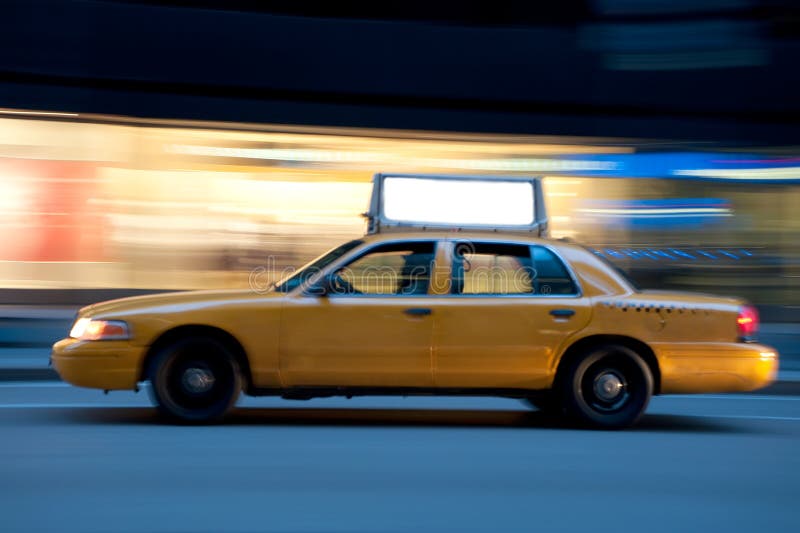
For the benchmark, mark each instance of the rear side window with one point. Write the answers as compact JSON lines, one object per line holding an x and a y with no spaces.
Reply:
{"x":492,"y":268}
{"x":551,"y":276}
{"x":507,"y":269}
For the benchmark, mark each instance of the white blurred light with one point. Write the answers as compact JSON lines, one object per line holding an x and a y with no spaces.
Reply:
{"x":313,"y":155}
{"x":767,"y":356}
{"x":466,"y":202}
{"x":37,"y":113}
{"x":79,"y":328}
{"x":782,"y":173}
{"x":645,"y":212}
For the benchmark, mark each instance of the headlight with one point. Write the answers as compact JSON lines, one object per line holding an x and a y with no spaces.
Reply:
{"x":87,"y":329}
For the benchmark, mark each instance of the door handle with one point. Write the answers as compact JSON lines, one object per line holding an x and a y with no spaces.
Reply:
{"x":417,"y":311}
{"x":562,"y":313}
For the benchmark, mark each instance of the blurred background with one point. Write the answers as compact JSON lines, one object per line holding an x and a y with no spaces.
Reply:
{"x":164,"y":145}
{"x":90,"y":202}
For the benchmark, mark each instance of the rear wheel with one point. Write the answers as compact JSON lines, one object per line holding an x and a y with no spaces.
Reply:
{"x":608,"y":387}
{"x":195,"y":380}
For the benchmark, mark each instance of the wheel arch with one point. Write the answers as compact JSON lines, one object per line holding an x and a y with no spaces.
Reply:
{"x":199,"y":330}
{"x":581,"y":345}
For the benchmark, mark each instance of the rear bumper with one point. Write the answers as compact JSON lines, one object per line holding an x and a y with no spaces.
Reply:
{"x":108,"y":365}
{"x":715,"y":367}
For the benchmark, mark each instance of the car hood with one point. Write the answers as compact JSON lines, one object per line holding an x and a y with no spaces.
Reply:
{"x":174,"y":301}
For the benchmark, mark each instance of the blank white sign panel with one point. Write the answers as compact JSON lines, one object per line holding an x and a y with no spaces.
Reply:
{"x":458,"y":202}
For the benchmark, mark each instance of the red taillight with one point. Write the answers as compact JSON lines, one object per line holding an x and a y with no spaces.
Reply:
{"x":747,"y":322}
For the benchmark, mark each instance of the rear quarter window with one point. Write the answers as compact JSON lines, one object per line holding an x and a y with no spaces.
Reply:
{"x":552,"y":276}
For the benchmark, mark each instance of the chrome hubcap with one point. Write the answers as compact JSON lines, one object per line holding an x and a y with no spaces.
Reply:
{"x":608,"y":386}
{"x":197,"y":380}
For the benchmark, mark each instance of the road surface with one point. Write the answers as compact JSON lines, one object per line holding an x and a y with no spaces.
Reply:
{"x":75,"y":460}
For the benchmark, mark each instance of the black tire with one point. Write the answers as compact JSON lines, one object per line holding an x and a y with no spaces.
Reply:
{"x":194,"y":380}
{"x":608,"y":387}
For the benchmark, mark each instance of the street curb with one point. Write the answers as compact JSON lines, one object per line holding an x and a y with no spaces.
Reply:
{"x":788,"y":387}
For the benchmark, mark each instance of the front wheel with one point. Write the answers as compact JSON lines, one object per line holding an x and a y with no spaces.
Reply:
{"x":609,"y":387}
{"x":195,"y":380}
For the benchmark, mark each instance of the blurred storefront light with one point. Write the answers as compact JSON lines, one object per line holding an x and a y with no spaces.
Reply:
{"x":121,"y":202}
{"x":755,"y":174}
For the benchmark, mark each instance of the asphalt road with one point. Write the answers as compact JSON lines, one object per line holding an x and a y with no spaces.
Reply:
{"x":75,"y":460}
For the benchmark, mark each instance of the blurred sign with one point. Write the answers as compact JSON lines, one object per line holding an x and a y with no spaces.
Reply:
{"x":667,"y":213}
{"x":744,"y":168}
{"x":44,"y":211}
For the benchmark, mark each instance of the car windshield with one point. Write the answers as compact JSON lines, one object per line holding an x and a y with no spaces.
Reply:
{"x":310,"y":269}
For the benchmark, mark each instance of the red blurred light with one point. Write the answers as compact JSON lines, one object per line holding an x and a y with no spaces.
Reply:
{"x":747,"y":322}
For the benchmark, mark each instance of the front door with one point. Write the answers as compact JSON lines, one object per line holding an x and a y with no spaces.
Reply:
{"x":372,"y":328}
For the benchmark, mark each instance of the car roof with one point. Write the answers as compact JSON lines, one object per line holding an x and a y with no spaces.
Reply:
{"x":491,"y":236}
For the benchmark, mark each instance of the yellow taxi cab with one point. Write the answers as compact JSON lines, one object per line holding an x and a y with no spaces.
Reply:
{"x":411,"y":309}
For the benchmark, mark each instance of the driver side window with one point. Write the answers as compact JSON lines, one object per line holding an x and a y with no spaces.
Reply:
{"x":388,"y":269}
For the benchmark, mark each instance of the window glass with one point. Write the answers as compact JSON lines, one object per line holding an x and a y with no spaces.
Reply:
{"x":389,"y":269}
{"x":314,"y":267}
{"x":552,"y":276}
{"x":490,"y":268}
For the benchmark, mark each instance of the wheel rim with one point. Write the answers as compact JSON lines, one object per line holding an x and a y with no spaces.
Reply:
{"x":608,"y":385}
{"x":198,"y":381}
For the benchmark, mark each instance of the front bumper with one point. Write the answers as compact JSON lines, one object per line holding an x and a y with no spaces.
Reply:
{"x":110,"y":365}
{"x":715,"y":367}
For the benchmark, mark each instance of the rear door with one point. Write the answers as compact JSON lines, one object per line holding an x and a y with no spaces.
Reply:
{"x":511,"y":305}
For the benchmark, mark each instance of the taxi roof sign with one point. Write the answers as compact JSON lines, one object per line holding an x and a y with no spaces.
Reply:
{"x":419,"y":202}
